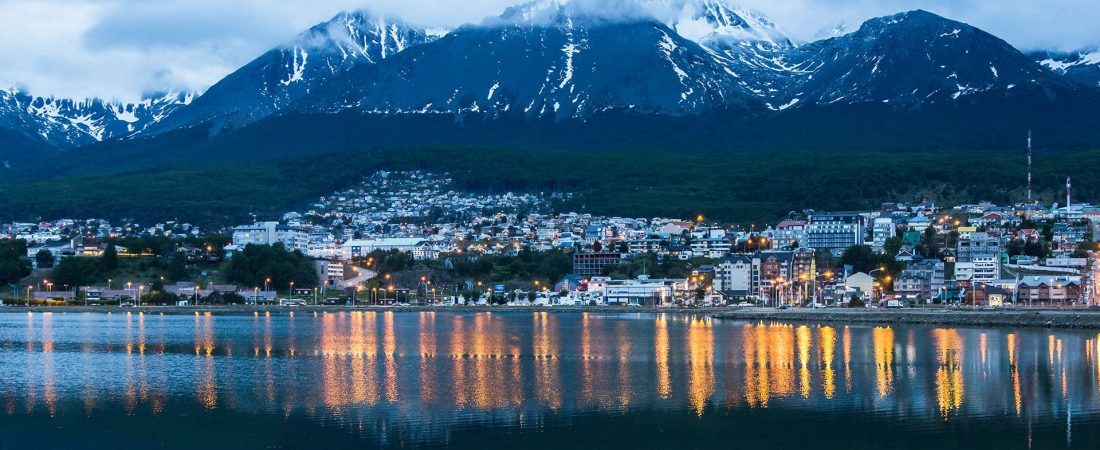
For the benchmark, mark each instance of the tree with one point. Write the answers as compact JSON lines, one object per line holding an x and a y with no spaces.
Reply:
{"x":856,"y":302}
{"x":893,"y":245}
{"x":256,"y":263}
{"x":177,"y":269}
{"x":861,"y":258}
{"x":109,"y":260}
{"x":76,"y":271}
{"x":44,"y":259}
{"x":928,"y":247}
{"x":13,"y":266}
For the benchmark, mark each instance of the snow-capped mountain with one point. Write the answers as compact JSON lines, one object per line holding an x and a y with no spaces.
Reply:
{"x":1080,"y":66}
{"x":573,"y":59}
{"x":911,"y":59}
{"x":281,"y":76}
{"x":748,"y":44}
{"x":552,"y":58}
{"x":66,"y":123}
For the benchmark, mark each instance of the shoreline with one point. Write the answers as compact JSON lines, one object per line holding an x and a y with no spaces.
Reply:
{"x":1062,"y":319}
{"x":286,"y":311}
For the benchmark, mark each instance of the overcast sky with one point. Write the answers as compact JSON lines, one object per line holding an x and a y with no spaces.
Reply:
{"x":118,"y":49}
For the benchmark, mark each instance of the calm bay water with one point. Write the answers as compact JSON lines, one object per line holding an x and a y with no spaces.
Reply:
{"x":536,"y":380}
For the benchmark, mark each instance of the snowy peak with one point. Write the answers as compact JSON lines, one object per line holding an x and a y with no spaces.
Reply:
{"x":67,"y":123}
{"x":713,"y":20}
{"x":360,"y":34}
{"x":275,"y":80}
{"x":544,"y":59}
{"x":1082,"y":66}
{"x":910,"y":59}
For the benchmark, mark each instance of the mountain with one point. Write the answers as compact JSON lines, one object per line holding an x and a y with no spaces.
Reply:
{"x":1080,"y":66}
{"x":283,"y":75}
{"x":545,"y":59}
{"x":748,"y":44}
{"x":554,"y":74}
{"x":67,"y":123}
{"x":912,"y":59}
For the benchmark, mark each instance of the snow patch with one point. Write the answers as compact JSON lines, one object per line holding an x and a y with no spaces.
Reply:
{"x":298,"y":67}
{"x":570,"y":50}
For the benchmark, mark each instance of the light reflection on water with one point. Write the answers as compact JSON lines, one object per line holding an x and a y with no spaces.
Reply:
{"x":427,"y":378}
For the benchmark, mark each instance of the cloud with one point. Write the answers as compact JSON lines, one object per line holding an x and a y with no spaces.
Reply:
{"x":119,"y":49}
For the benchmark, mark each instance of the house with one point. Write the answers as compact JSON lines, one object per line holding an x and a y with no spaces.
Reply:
{"x":862,"y":282}
{"x":571,"y":283}
{"x":919,"y":223}
{"x":996,"y":297}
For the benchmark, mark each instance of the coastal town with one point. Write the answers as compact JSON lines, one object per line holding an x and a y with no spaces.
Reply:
{"x":414,"y":238}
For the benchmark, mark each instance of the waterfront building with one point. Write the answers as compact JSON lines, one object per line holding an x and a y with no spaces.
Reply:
{"x":733,"y":276}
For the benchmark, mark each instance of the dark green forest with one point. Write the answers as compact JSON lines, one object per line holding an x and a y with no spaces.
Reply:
{"x":724,"y":186}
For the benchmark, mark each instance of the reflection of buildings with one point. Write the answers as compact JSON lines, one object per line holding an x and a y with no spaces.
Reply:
{"x":375,"y":372}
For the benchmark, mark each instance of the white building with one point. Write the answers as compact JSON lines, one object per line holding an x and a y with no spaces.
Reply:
{"x":980,"y":269}
{"x":361,"y":248}
{"x":642,"y":291}
{"x":882,"y":229}
{"x":862,"y":282}
{"x":271,"y":233}
{"x":733,"y":276}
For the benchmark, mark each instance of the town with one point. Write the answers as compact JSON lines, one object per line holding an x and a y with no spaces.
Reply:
{"x":412,"y":238}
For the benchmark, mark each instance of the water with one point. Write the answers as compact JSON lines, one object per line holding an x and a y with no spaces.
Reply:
{"x":536,"y":380}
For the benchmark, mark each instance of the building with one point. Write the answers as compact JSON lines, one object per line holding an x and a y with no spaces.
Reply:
{"x":774,"y":266}
{"x":882,"y":229}
{"x":270,"y":233}
{"x":974,"y":244}
{"x":259,"y":233}
{"x":834,"y":232}
{"x":361,"y":248}
{"x":789,"y":232}
{"x":1041,"y":290}
{"x":332,"y":272}
{"x":862,"y":282}
{"x":733,"y":276}
{"x":921,"y":280}
{"x":641,"y":292}
{"x":593,"y":264}
{"x":980,"y":269}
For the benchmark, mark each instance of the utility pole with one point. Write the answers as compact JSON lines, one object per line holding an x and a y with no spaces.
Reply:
{"x":1029,"y":166}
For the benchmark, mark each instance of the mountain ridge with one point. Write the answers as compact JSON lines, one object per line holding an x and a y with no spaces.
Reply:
{"x":557,"y":59}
